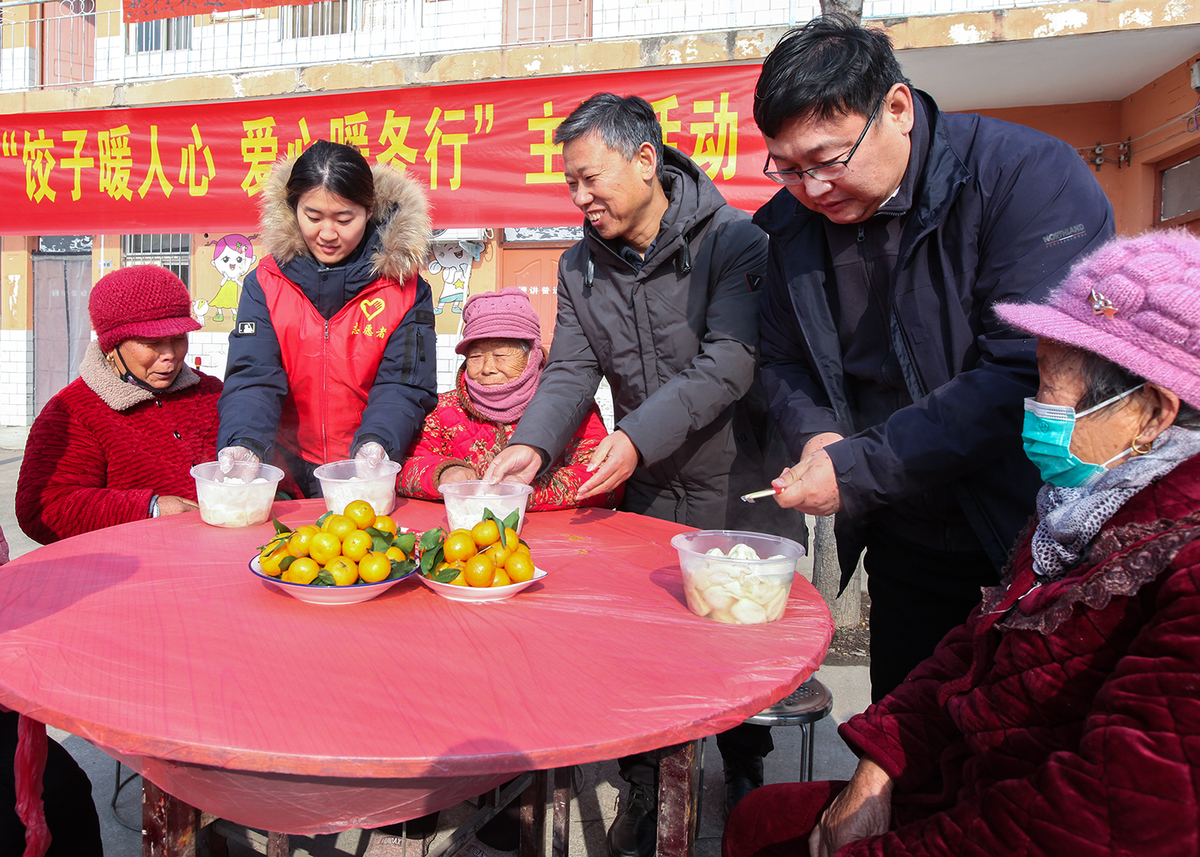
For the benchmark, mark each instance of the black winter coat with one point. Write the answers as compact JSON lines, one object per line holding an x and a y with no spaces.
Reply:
{"x":1000,"y":213}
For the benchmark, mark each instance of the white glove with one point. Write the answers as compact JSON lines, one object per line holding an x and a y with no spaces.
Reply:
{"x":372,"y":453}
{"x":231,"y":455}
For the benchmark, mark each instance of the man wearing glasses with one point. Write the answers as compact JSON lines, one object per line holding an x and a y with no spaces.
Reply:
{"x":898,"y":391}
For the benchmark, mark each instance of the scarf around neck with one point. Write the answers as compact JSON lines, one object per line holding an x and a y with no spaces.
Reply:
{"x":504,"y":403}
{"x":1070,"y":518}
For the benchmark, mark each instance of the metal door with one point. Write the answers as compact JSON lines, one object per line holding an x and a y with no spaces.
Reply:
{"x":61,"y":326}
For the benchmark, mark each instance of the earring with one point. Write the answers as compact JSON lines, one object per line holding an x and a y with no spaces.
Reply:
{"x":1139,"y":448}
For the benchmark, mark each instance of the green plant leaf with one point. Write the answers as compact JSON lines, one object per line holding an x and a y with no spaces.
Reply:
{"x":407,"y":542}
{"x":513,"y":518}
{"x":401,"y":567}
{"x":324,"y":577}
{"x":321,"y":520}
{"x":280,"y":527}
{"x":431,"y":558}
{"x":285,"y":562}
{"x":429,"y":539}
{"x":445,"y":575}
{"x":380,"y":540}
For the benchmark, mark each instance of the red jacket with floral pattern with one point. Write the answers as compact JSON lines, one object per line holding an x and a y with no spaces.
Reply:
{"x":455,"y":434}
{"x":1061,"y":719}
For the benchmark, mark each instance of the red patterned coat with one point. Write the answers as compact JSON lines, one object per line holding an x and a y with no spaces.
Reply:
{"x":455,"y":434}
{"x":1062,"y":719}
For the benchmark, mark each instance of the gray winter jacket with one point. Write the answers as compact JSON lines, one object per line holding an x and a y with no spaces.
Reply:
{"x":677,"y":341}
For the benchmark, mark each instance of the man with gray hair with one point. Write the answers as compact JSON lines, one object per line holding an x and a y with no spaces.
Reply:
{"x":659,"y":298}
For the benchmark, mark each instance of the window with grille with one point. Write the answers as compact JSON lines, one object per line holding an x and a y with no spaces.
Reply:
{"x":318,"y":19}
{"x":173,"y":252}
{"x":173,"y":34}
{"x":1178,"y":189}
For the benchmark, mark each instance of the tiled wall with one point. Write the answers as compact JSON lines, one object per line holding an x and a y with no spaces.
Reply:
{"x":16,"y":377}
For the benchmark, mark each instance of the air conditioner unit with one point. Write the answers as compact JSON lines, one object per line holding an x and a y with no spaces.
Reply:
{"x":445,"y":236}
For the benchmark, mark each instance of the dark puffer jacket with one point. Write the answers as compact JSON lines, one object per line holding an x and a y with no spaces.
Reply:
{"x":1068,"y":723}
{"x":677,"y":341}
{"x":999,"y":214}
{"x":393,"y":246}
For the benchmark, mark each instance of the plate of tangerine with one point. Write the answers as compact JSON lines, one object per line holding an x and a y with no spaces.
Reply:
{"x":343,"y":558}
{"x":488,"y":562}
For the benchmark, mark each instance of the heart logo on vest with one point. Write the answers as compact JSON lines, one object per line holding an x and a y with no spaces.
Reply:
{"x":372,"y":308}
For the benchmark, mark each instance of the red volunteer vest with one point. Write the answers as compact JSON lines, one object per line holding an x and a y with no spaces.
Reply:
{"x":330,"y":365}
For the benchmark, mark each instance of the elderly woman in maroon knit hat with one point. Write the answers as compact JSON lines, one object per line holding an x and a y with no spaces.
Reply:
{"x":116,"y":444}
{"x":502,"y":344}
{"x":1064,"y":716}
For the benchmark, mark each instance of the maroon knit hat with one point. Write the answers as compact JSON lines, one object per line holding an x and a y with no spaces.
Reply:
{"x":506,"y":314}
{"x":1134,"y":301}
{"x":144,"y":301}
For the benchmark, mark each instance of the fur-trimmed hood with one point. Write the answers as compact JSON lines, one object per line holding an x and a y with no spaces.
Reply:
{"x":401,"y":218}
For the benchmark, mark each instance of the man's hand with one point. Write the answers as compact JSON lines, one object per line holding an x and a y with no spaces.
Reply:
{"x":457,"y":473}
{"x":864,"y":808}
{"x":613,"y":462}
{"x":811,"y":485}
{"x":171,"y":505}
{"x":519,"y":463}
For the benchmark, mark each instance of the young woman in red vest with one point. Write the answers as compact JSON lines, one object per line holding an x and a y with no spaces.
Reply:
{"x":333,"y":353}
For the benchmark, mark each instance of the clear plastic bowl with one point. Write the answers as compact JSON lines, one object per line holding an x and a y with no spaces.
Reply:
{"x":465,"y":502}
{"x":737,"y":591}
{"x":240,"y":498}
{"x":343,"y":482}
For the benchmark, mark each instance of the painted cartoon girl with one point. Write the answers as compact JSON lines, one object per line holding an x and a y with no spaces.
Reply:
{"x":233,"y":257}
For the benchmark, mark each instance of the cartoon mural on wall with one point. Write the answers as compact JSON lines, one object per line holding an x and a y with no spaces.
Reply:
{"x":233,"y":257}
{"x":453,"y":260}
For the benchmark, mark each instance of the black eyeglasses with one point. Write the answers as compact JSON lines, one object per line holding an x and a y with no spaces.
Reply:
{"x":826,"y":172}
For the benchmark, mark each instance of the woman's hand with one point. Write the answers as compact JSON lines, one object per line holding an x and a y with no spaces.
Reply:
{"x":864,"y":808}
{"x":457,"y":473}
{"x":168,"y":505}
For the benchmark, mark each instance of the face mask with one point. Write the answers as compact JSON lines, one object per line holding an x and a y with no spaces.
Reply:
{"x":1047,"y":439}
{"x":129,"y":378}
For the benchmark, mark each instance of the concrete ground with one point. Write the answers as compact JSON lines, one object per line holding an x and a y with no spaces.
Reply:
{"x":592,"y":809}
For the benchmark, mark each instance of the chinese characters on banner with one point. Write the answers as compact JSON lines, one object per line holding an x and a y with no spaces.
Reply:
{"x":484,"y":152}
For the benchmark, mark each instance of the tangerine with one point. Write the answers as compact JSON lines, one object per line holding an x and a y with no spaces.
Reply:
{"x":480,"y":570}
{"x":510,"y":538}
{"x":395,"y":553}
{"x":357,"y":545}
{"x":344,"y":571}
{"x":386,"y":524}
{"x":339,"y":525}
{"x":374,"y":567}
{"x":486,"y":533}
{"x":301,"y":540}
{"x":499,"y":553}
{"x":303,"y":570}
{"x":459,"y":546}
{"x":501,"y":578}
{"x":272,"y":555}
{"x":360,"y":512}
{"x":519,"y":567}
{"x":461,"y":580}
{"x":324,"y":547}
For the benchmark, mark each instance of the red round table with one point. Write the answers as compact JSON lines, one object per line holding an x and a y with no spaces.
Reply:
{"x":154,"y":641}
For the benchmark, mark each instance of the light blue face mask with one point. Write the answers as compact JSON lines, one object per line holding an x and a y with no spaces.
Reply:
{"x":1047,"y":439}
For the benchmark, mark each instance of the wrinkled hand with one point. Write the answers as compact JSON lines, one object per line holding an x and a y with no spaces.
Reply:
{"x":519,"y":463}
{"x":457,"y":473}
{"x":169,"y":505}
{"x":372,"y":453}
{"x":811,"y":485}
{"x":864,"y":808}
{"x":231,"y":455}
{"x":612,"y":463}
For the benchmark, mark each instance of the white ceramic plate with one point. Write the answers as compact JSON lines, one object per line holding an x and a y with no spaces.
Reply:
{"x":306,"y":592}
{"x":480,"y":593}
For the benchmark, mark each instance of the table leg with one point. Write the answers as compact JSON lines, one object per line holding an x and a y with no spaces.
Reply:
{"x":277,"y":845}
{"x":561,"y":827}
{"x":677,"y":773}
{"x":533,"y":817}
{"x":170,"y":827}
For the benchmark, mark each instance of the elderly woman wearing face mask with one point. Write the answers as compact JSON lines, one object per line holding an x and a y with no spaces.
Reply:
{"x":1063,"y":717}
{"x":118,"y":442}
{"x":502,"y":347}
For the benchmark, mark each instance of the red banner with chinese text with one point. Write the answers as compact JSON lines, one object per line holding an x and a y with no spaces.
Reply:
{"x":483,"y":151}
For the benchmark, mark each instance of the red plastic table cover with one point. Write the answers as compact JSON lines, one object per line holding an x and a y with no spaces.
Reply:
{"x":156,"y":642}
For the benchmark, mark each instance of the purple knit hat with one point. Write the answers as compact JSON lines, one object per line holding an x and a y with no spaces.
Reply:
{"x":144,"y":301}
{"x":506,"y":314}
{"x":1134,"y":301}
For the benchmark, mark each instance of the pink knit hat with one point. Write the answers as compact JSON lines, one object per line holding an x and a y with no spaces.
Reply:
{"x":144,"y":301}
{"x":506,"y":314}
{"x":1134,"y":301}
